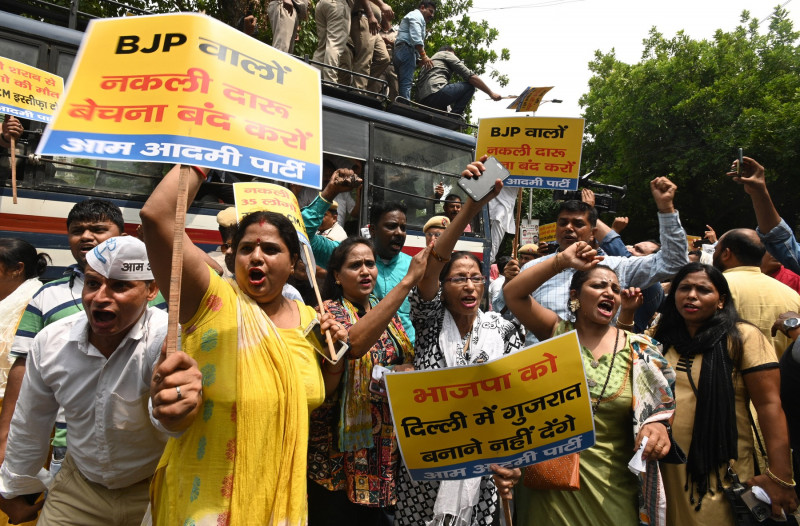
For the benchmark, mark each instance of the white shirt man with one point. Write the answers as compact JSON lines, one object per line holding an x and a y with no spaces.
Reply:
{"x":97,"y":365}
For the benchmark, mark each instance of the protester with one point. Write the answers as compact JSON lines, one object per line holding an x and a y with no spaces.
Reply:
{"x":96,"y":365}
{"x":611,"y":244}
{"x":772,"y":229}
{"x":575,"y":222}
{"x":453,"y":331}
{"x":243,"y":460}
{"x":330,"y":226}
{"x":11,"y":129}
{"x":628,"y":381}
{"x":353,"y":455}
{"x":452,"y":206}
{"x":387,"y":227}
{"x":758,"y":299}
{"x":434,"y":88}
{"x":20,"y":269}
{"x":723,"y":365}
{"x":773,"y":268}
{"x":789,"y":324}
{"x":89,"y":223}
{"x":410,"y":46}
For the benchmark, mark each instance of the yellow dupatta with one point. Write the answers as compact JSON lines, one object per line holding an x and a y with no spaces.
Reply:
{"x":243,"y":460}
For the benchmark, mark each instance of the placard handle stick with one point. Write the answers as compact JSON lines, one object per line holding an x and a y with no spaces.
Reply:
{"x":516,"y":231}
{"x":13,"y":151}
{"x":321,"y":305}
{"x":507,"y":512}
{"x":176,"y":274}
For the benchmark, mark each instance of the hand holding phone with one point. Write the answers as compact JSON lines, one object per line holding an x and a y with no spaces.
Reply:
{"x":739,"y":164}
{"x":479,"y":187}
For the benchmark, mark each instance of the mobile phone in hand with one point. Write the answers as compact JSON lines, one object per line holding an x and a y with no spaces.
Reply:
{"x":479,"y":187}
{"x":739,"y":164}
{"x":314,"y":336}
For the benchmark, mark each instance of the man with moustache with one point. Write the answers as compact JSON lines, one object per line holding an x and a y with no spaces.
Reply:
{"x":576,"y":222}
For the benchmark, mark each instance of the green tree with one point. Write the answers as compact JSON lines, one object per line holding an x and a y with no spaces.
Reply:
{"x":683,"y":111}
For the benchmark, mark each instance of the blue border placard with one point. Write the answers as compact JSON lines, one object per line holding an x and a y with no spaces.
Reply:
{"x":479,"y":468}
{"x":175,"y":149}
{"x":25,"y":114}
{"x":535,"y":181}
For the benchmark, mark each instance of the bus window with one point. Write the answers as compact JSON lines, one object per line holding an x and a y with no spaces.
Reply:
{"x":407,"y":169}
{"x":112,"y":177}
{"x":64,"y":62}
{"x":20,"y":51}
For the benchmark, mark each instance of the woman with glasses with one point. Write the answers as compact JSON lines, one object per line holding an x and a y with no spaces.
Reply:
{"x":352,"y":452}
{"x":451,"y":331}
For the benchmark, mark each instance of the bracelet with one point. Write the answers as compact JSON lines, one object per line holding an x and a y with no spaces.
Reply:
{"x":778,"y":481}
{"x":199,"y":172}
{"x":625,"y":326}
{"x":556,"y":267}
{"x":439,"y":258}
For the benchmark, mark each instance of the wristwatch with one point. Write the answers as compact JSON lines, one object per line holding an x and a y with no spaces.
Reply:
{"x":791,"y":323}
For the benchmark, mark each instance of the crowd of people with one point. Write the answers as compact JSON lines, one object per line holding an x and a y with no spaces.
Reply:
{"x":359,"y":47}
{"x":253,"y":422}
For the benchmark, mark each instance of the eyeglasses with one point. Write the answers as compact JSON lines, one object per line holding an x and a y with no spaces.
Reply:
{"x":460,"y":280}
{"x":433,"y":234}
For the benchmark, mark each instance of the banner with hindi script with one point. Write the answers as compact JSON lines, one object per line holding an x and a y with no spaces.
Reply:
{"x":540,"y":152}
{"x":521,"y":409}
{"x":530,"y":99}
{"x":27,"y":92}
{"x":186,"y":88}
{"x":257,"y":197}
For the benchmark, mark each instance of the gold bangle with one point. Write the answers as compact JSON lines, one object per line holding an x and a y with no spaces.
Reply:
{"x":556,"y":267}
{"x":778,"y":481}
{"x":438,"y":258}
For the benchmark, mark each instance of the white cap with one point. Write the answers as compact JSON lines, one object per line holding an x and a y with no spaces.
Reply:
{"x":123,"y":258}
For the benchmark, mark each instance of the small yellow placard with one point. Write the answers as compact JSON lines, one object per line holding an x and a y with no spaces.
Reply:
{"x":27,"y":92}
{"x":547,"y":233}
{"x":524,"y":408}
{"x":540,"y":152}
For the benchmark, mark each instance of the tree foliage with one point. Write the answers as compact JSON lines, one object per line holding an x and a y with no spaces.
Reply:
{"x":683,"y":111}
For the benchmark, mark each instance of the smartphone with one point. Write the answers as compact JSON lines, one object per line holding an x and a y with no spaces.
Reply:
{"x":760,"y":510}
{"x":739,"y":164}
{"x":377,"y":384}
{"x":314,"y":335}
{"x":479,"y":187}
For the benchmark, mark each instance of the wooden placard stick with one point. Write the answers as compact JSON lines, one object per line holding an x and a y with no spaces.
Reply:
{"x":13,"y":151}
{"x":176,"y":273}
{"x":506,"y":505}
{"x":516,"y":230}
{"x":322,"y":309}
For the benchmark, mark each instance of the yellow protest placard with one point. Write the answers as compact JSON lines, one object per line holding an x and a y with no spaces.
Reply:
{"x":524,"y":408}
{"x":256,"y":197}
{"x":27,"y":92}
{"x":540,"y":152}
{"x":547,"y":233}
{"x":186,"y":88}
{"x":530,"y":99}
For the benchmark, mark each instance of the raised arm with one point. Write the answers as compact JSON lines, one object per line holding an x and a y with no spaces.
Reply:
{"x":368,"y":329}
{"x":158,"y":221}
{"x":540,"y":320}
{"x":647,"y":270}
{"x":755,"y":184}
{"x":443,"y":249}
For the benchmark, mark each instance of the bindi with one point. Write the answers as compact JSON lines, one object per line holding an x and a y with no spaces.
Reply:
{"x":258,"y":241}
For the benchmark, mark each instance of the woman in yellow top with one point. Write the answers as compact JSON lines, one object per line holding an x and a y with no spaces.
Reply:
{"x":723,"y":365}
{"x":240,"y":458}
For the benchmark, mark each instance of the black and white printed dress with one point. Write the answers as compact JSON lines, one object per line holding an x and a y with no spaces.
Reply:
{"x":415,"y":500}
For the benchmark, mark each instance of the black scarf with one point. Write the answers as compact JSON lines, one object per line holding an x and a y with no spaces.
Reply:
{"x":714,"y":435}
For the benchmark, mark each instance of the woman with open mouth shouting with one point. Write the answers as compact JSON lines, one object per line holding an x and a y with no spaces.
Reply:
{"x":242,"y":460}
{"x":629,"y":381}
{"x":452,"y":330}
{"x":353,"y":455}
{"x":723,"y":365}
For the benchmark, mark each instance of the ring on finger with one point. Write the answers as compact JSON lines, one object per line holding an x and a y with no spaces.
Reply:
{"x":178,"y":390}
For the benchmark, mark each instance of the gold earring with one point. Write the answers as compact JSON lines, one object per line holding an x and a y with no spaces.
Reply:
{"x":574,"y":304}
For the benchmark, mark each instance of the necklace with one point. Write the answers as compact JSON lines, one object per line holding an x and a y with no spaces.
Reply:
{"x":608,"y":376}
